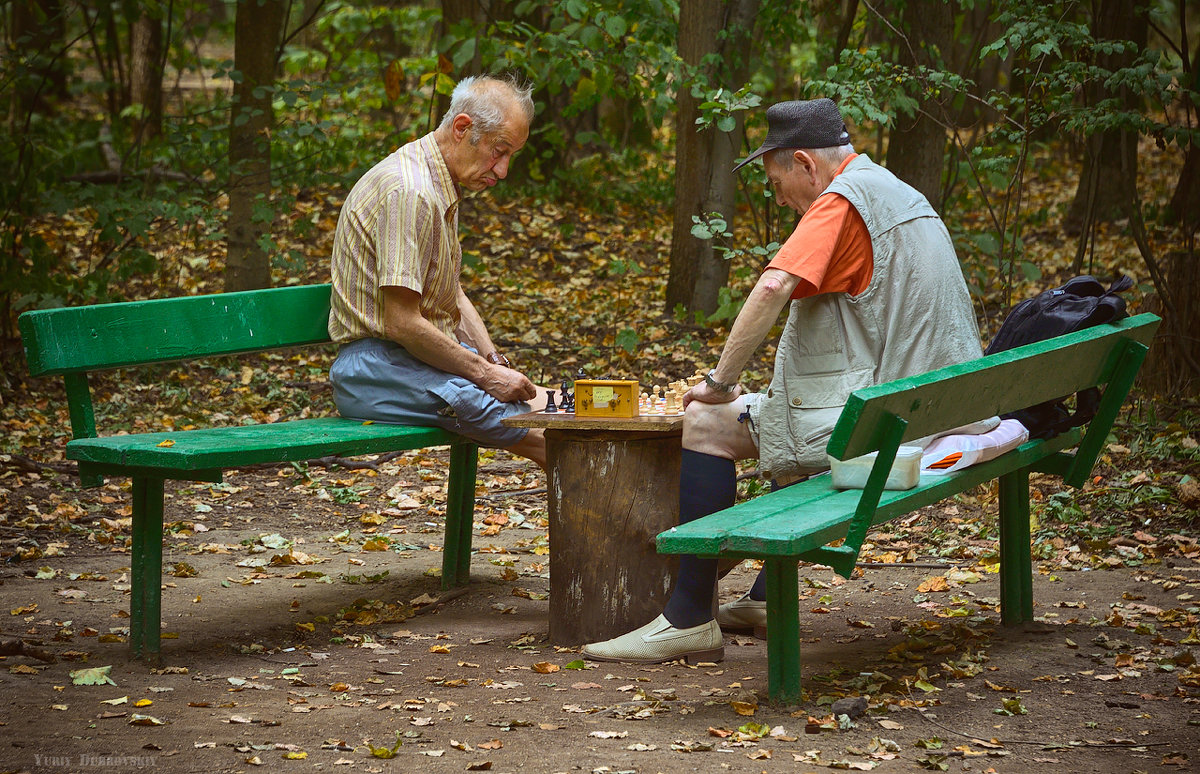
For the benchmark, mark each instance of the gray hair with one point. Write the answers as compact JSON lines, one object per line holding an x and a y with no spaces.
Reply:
{"x":831,"y":156}
{"x":484,"y":98}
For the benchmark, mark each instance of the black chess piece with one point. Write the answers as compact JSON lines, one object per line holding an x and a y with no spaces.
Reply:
{"x":565,"y":402}
{"x":550,"y":407}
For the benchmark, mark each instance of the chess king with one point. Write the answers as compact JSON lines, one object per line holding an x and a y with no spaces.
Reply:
{"x":874,"y":293}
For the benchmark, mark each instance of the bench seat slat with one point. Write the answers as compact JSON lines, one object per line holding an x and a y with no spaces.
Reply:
{"x":810,"y":514}
{"x":221,"y":447}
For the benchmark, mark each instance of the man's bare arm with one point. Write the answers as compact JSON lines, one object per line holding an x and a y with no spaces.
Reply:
{"x":471,"y":328}
{"x":404,"y":324}
{"x":770,"y":294}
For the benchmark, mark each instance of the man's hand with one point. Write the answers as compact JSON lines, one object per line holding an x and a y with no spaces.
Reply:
{"x":507,"y":384}
{"x":705,"y":394}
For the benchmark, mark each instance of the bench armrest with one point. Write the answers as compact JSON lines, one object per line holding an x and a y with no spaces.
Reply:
{"x":864,"y":514}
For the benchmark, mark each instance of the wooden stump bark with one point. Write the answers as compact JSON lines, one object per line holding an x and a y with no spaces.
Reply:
{"x":609,"y":493}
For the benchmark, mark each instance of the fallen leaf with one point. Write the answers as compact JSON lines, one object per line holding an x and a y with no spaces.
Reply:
{"x":936,"y":583}
{"x":145,"y":720}
{"x":743,"y":707}
{"x":93,"y":676}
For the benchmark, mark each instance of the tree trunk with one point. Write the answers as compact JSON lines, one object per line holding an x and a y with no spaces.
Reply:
{"x":37,"y":29}
{"x":917,"y":145}
{"x":1109,"y":171}
{"x":478,"y":13}
{"x":146,"y":71}
{"x":258,"y":27}
{"x":709,"y":30}
{"x":1185,"y":202}
{"x":1169,"y":371}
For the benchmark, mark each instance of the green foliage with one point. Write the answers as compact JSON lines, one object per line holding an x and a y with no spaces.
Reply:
{"x":719,"y":107}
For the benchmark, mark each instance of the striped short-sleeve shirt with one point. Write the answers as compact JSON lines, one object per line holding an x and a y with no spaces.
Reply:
{"x":397,"y":228}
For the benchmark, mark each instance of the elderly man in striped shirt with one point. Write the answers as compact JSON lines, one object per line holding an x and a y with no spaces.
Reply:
{"x":414,"y":350}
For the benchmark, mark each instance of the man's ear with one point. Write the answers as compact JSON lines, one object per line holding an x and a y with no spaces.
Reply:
{"x":806,"y":160}
{"x":461,"y":125}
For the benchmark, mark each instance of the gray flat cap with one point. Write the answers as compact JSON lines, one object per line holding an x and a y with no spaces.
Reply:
{"x":813,"y":123}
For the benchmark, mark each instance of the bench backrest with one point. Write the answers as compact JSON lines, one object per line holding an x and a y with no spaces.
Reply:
{"x":71,"y":341}
{"x":92,"y":338}
{"x":995,"y":384}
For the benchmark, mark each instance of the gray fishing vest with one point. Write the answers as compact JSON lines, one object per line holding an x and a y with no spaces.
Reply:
{"x":914,"y":316}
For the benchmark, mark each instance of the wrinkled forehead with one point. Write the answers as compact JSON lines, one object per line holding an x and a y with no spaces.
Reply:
{"x":515,"y":129}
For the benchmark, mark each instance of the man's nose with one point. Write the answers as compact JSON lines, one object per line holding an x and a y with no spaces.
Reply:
{"x":501,"y":168}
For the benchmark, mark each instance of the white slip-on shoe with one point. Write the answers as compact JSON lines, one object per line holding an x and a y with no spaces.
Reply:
{"x":659,"y":641}
{"x":742,"y":614}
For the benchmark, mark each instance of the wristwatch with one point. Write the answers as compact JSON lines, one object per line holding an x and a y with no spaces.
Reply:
{"x":498,"y":359}
{"x":713,"y":384}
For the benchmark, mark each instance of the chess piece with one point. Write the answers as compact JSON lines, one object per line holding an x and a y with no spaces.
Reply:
{"x":550,"y":407}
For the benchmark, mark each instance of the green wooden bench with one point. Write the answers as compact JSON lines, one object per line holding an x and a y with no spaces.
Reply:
{"x":74,"y":341}
{"x":799,"y":522}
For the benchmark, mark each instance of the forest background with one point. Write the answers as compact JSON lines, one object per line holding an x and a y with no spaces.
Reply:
{"x":160,"y":148}
{"x":157,"y":148}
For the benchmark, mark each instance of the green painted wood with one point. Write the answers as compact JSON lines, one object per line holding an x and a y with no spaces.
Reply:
{"x":996,"y":384}
{"x":1096,"y":437}
{"x":145,"y":570}
{"x":83,"y":418}
{"x":460,"y":509}
{"x":1016,"y":563}
{"x":101,"y":336}
{"x":799,"y":522}
{"x":224,"y":447}
{"x":74,"y":341}
{"x":783,"y":631}
{"x":868,"y":502}
{"x":810,"y":514}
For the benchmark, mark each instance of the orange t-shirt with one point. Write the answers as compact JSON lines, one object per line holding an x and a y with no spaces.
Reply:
{"x":830,"y":250}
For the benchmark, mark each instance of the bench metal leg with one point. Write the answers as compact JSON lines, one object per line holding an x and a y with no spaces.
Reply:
{"x":1016,"y":566}
{"x":460,"y":513}
{"x":145,"y":572}
{"x":783,"y":630}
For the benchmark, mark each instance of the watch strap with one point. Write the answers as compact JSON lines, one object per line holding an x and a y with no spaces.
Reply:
{"x":713,"y":384}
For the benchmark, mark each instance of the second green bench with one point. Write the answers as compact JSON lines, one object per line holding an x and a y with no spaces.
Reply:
{"x":74,"y":341}
{"x":799,"y":522}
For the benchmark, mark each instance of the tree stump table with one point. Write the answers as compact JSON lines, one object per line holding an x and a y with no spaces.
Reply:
{"x":612,"y":486}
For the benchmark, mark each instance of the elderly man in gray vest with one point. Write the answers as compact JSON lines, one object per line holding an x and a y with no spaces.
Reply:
{"x":875,"y":293}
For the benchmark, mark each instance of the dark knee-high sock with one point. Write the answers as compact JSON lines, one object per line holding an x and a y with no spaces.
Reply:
{"x":707,"y":484}
{"x":759,"y":590}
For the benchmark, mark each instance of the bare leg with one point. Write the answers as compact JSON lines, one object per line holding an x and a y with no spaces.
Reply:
{"x":532,"y":446}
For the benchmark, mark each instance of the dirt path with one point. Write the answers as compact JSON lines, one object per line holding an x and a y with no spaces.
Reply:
{"x":295,"y":651}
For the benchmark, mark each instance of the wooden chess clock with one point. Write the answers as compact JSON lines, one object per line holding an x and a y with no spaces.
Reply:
{"x":606,"y":398}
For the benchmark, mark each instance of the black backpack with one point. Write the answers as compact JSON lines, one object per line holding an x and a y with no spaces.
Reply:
{"x":1080,"y":303}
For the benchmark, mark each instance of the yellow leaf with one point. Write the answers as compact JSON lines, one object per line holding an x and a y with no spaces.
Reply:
{"x":298,"y":755}
{"x":937,"y":583}
{"x":143,"y":703}
{"x":166,"y":444}
{"x":743,"y":707}
{"x":545,"y":667}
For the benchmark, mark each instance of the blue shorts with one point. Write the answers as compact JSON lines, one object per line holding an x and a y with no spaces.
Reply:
{"x":377,"y":380}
